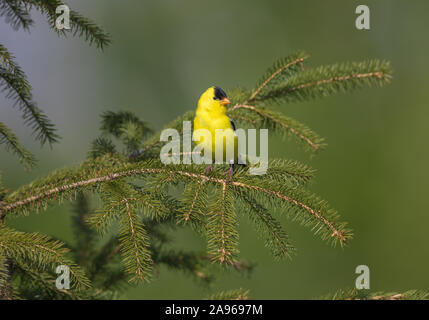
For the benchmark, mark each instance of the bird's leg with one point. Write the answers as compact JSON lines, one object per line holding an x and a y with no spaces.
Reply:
{"x":209,"y":169}
{"x":135,"y":154}
{"x":229,"y":173}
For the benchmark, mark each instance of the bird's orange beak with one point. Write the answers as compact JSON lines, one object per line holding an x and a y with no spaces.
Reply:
{"x":225,"y":101}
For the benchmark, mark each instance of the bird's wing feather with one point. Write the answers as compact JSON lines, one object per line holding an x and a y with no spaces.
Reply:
{"x":232,"y":124}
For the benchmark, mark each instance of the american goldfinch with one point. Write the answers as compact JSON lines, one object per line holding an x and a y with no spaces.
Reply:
{"x":211,"y":115}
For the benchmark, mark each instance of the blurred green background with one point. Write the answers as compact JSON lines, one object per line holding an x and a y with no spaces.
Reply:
{"x":166,"y":53}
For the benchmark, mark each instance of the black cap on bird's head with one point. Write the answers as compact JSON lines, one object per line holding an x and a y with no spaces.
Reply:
{"x":220,"y":95}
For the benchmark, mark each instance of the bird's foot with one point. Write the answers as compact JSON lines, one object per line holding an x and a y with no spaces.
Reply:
{"x":229,"y":173}
{"x":135,"y":154}
{"x":209,"y":169}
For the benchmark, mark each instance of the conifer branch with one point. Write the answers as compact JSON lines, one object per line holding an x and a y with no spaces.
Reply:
{"x":238,"y":294}
{"x":14,"y":82}
{"x":84,"y":236}
{"x":100,"y":147}
{"x":16,"y":14}
{"x":6,"y":291}
{"x":189,"y":262}
{"x":354,"y":294}
{"x":80,"y":25}
{"x":100,"y":262}
{"x":197,"y":193}
{"x":198,"y":197}
{"x":328,"y":80}
{"x":276,"y":238}
{"x":277,"y":121}
{"x":115,"y":122}
{"x":155,"y":168}
{"x":222,"y":235}
{"x":43,"y":283}
{"x":337,"y":232}
{"x":13,"y":144}
{"x":41,"y":251}
{"x":139,"y":267}
{"x":152,"y":146}
{"x":125,"y":126}
{"x":281,"y":69}
{"x":134,"y":242}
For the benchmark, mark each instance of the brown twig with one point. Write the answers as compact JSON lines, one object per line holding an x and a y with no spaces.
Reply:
{"x":378,"y":74}
{"x":188,"y":214}
{"x":222,"y":250}
{"x":109,"y":177}
{"x":314,"y":145}
{"x":270,"y":78}
{"x":133,"y":236}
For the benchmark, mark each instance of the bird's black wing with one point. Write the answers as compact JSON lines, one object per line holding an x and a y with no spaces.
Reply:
{"x":232,"y":124}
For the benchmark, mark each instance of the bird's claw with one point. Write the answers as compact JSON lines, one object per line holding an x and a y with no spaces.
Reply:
{"x":229,"y":174}
{"x":209,"y":169}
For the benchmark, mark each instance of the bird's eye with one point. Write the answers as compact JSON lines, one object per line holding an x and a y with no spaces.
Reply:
{"x":215,"y":98}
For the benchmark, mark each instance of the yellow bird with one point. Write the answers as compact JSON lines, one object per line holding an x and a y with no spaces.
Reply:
{"x":211,"y":115}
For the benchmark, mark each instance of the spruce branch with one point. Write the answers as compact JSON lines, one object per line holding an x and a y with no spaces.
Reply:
{"x":126,"y":127}
{"x":134,"y":242}
{"x":80,"y":26}
{"x":237,"y":294}
{"x":328,"y":80}
{"x":103,"y":256}
{"x":276,"y":238}
{"x":134,"y":245}
{"x":191,"y":263}
{"x":281,"y":69}
{"x":3,"y":192}
{"x":354,"y":294}
{"x":194,"y":199}
{"x":100,"y":262}
{"x":270,"y":119}
{"x":13,"y":144}
{"x":6,"y":291}
{"x":115,"y":194}
{"x":308,"y":214}
{"x":289,"y":172}
{"x":14,"y":82}
{"x":16,"y":13}
{"x":115,"y":122}
{"x":221,"y":226}
{"x":289,"y":196}
{"x":85,"y":237}
{"x":34,"y":282}
{"x":40,"y":251}
{"x":100,"y":147}
{"x":38,"y":284}
{"x":151,"y":147}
